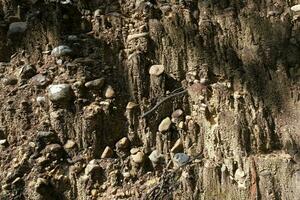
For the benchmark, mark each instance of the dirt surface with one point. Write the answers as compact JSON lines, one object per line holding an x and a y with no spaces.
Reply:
{"x":137,"y":99}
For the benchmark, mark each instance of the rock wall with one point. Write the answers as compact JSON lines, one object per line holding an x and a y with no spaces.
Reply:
{"x":149,"y":99}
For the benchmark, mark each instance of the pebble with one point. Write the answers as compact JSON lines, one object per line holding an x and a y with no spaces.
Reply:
{"x":109,"y":92}
{"x":94,"y":193}
{"x":296,"y":8}
{"x":69,"y":144}
{"x":176,"y":115}
{"x":3,"y":142}
{"x":180,"y":159}
{"x":155,"y":156}
{"x":39,"y":80}
{"x":156,"y":70}
{"x":92,"y":167}
{"x":62,"y":50}
{"x":138,"y":157}
{"x":17,"y":28}
{"x":123,"y":143}
{"x":165,"y":125}
{"x":107,"y":153}
{"x":40,"y":100}
{"x":131,"y":105}
{"x":96,"y":84}
{"x":137,"y":35}
{"x":59,"y":92}
{"x":181,"y":125}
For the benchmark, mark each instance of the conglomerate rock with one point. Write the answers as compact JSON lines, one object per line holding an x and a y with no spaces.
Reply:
{"x":149,"y":99}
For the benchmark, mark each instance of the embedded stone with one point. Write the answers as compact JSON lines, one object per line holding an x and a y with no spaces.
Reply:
{"x":296,"y":8}
{"x":123,"y":143}
{"x":107,"y":153}
{"x":180,"y":159}
{"x":134,"y":150}
{"x":96,"y":84}
{"x":17,"y":28}
{"x":109,"y":93}
{"x":60,"y":92}
{"x":131,"y":105}
{"x":138,"y":157}
{"x":92,"y":168}
{"x":39,"y":80}
{"x":136,"y":36}
{"x":62,"y":50}
{"x":165,"y":125}
{"x":155,"y":156}
{"x":70,"y":144}
{"x":156,"y":70}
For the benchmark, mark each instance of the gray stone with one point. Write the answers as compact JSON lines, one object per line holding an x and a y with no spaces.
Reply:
{"x":60,"y":93}
{"x":17,"y":28}
{"x":180,"y":159}
{"x":96,"y":84}
{"x":39,"y":80}
{"x":62,"y":50}
{"x":155,"y":156}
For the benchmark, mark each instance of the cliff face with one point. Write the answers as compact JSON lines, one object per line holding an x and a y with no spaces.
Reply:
{"x":153,"y":99}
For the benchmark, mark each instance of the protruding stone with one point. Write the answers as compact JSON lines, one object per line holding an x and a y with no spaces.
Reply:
{"x":60,"y":92}
{"x":177,"y":146}
{"x":96,"y":84}
{"x":165,"y":125}
{"x":181,"y":125}
{"x":296,"y":8}
{"x":123,"y":143}
{"x":176,"y":115}
{"x":136,"y":36}
{"x":109,"y":92}
{"x":17,"y":28}
{"x":156,"y":70}
{"x":62,"y":50}
{"x":107,"y":153}
{"x":40,"y":100}
{"x":134,"y":151}
{"x":70,"y":144}
{"x":39,"y":80}
{"x":131,"y":105}
{"x":92,"y":168}
{"x":240,"y":177}
{"x":138,"y":157}
{"x":3,"y":142}
{"x":155,"y":156}
{"x":180,"y":159}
